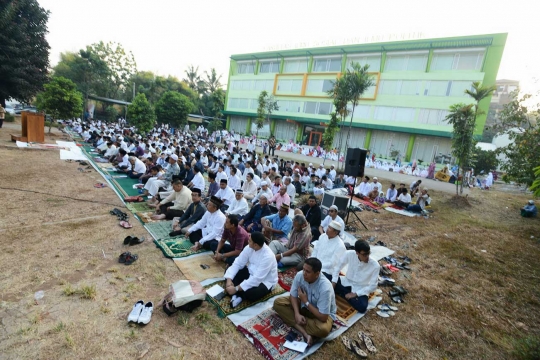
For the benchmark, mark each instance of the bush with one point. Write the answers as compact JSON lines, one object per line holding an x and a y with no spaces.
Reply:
{"x":9,"y":118}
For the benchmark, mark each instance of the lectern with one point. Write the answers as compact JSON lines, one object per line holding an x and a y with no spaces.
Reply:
{"x":33,"y":128}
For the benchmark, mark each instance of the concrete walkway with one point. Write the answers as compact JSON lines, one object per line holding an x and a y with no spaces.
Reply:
{"x":385,"y":177}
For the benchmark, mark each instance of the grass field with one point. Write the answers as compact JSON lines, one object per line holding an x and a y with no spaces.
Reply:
{"x":473,"y":288}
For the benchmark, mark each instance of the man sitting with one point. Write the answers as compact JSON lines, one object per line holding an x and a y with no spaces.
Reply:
{"x":264,"y":191}
{"x":281,"y":198}
{"x":363,"y":189}
{"x":138,"y":168}
{"x":249,"y":187}
{"x":422,"y":200}
{"x":278,"y":225}
{"x":330,"y":248}
{"x":311,"y":307}
{"x":391,"y":193}
{"x":225,"y":193}
{"x":175,"y":204}
{"x":332,"y":216}
{"x":209,"y":228}
{"x":404,"y":199}
{"x":193,"y":213}
{"x":529,"y":210}
{"x":237,"y":239}
{"x":153,"y":184}
{"x":361,"y":278}
{"x":296,"y":249}
{"x":313,"y":214}
{"x":415,"y":187}
{"x":253,"y":274}
{"x":252,"y":221}
{"x":239,"y":205}
{"x":376,"y":184}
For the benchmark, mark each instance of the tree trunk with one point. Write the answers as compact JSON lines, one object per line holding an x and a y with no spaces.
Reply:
{"x":457,"y":186}
{"x":350,"y":127}
{"x":50,"y":125}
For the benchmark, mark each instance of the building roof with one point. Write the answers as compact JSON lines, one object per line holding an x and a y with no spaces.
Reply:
{"x":406,"y":45}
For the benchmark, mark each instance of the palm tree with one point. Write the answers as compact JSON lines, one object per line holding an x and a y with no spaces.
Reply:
{"x":212,"y":81}
{"x":193,"y":79}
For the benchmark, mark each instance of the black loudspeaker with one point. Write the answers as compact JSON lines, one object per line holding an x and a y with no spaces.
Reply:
{"x":355,"y":161}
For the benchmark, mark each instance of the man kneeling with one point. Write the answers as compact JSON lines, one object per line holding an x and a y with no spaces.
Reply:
{"x":311,"y":307}
{"x":254,"y":272}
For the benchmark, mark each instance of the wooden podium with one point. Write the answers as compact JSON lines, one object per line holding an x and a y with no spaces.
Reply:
{"x":33,"y":128}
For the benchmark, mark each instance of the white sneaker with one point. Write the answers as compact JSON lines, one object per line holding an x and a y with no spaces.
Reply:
{"x":134,"y":314}
{"x":236,"y":301}
{"x":146,"y":313}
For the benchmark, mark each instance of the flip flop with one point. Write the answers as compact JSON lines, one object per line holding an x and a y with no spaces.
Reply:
{"x":387,"y":307}
{"x":127,"y":240}
{"x":130,"y":259}
{"x":397,"y":299}
{"x":347,"y":343}
{"x":125,"y":225}
{"x":383,"y":314}
{"x":123,"y":256}
{"x":357,"y":350}
{"x":367,"y":340}
{"x":393,"y":293}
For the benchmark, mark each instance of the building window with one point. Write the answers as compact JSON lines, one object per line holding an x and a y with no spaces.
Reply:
{"x":269,"y":67}
{"x":320,"y":108}
{"x":457,"y":88}
{"x":360,"y":111}
{"x":295,"y":66}
{"x":406,"y":62}
{"x":437,"y":88}
{"x":246,"y":68}
{"x":470,"y":60}
{"x":290,"y":106}
{"x":267,"y":85}
{"x":242,"y":103}
{"x":289,"y":86}
{"x":327,"y":65}
{"x":432,"y":116}
{"x":319,"y":85}
{"x":397,"y":114}
{"x":373,"y":60}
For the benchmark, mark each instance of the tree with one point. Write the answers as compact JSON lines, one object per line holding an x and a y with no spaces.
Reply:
{"x":337,"y":118}
{"x":535,"y":187}
{"x":24,"y":50}
{"x":193,"y":79}
{"x":141,"y":114}
{"x":218,"y":103}
{"x":485,"y":160}
{"x":522,"y":154}
{"x":60,"y":99}
{"x":461,"y":117}
{"x":267,"y":105}
{"x":212,"y":81}
{"x":173,"y":108}
{"x":215,"y":125}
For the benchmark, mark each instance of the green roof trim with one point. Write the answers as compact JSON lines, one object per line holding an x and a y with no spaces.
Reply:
{"x":405,"y":45}
{"x":407,"y":130}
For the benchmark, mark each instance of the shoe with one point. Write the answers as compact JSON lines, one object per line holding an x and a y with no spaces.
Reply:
{"x":123,"y":257}
{"x":146,"y":313}
{"x":136,"y":241}
{"x":136,"y":311}
{"x":130,"y":259}
{"x":236,"y":301}
{"x":127,"y":240}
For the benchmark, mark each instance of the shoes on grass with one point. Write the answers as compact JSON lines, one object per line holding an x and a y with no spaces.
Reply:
{"x":136,"y":311}
{"x":141,"y":313}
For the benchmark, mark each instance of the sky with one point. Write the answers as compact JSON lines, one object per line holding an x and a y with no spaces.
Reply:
{"x":166,"y":36}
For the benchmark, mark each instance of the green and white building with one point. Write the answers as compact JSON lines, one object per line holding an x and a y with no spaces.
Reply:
{"x":415,"y":83}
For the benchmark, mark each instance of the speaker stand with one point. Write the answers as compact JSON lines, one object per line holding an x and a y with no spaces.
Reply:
{"x":349,"y":211}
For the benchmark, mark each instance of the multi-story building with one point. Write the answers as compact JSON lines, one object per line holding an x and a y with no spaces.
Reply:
{"x":415,"y":84}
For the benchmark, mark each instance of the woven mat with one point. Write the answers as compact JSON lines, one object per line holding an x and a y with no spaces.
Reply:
{"x":224,"y":307}
{"x":285,"y":278}
{"x":159,"y":229}
{"x":146,"y":216}
{"x":176,"y":247}
{"x":192,"y":270}
{"x":344,"y":309}
{"x":138,"y":207}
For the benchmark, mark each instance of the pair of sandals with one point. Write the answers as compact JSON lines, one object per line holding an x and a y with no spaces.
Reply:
{"x":386,"y":310}
{"x":397,"y":293}
{"x":354,"y":346}
{"x":127,"y":258}
{"x":133,"y":240}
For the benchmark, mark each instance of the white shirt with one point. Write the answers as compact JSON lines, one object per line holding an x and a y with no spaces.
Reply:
{"x":227,"y":195}
{"x":110,"y":151}
{"x":139,"y":167}
{"x":361,"y":277}
{"x":221,"y":175}
{"x":377,"y":185}
{"x":364,"y":188}
{"x":211,"y":225}
{"x":391,"y":194}
{"x":198,"y":182}
{"x":125,"y":162}
{"x":329,"y":251}
{"x":246,"y":171}
{"x":262,"y":267}
{"x":267,"y":193}
{"x":238,"y":207}
{"x":333,"y":174}
{"x":250,"y":188}
{"x":406,"y":198}
{"x":291,"y":190}
{"x":320,"y":172}
{"x":234,"y":182}
{"x":328,"y":219}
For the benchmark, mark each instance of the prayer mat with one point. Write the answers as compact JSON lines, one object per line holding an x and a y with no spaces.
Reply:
{"x":138,"y":207}
{"x":176,"y":248}
{"x":125,"y":185}
{"x":401,"y":212}
{"x":159,"y":229}
{"x":224,"y":305}
{"x":192,"y":269}
{"x":285,"y":278}
{"x":146,"y":216}
{"x":368,"y":203}
{"x":344,"y":309}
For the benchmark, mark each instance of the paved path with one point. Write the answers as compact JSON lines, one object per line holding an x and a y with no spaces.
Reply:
{"x":385,"y":177}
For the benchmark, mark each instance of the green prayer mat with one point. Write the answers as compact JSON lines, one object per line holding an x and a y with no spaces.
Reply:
{"x":159,"y":229}
{"x":176,"y":247}
{"x":139,"y":207}
{"x":224,"y":305}
{"x":125,"y":185}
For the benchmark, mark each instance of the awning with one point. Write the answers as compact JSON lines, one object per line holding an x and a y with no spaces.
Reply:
{"x":194,"y":119}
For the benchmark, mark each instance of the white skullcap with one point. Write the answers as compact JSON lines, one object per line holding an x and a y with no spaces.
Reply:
{"x":335,"y":225}
{"x":264,"y":183}
{"x":334,"y":207}
{"x":174,"y":157}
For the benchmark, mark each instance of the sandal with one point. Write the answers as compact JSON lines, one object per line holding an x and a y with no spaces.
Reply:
{"x":347,"y":343}
{"x":136,"y":241}
{"x":356,"y":349}
{"x":387,"y":307}
{"x":367,"y":340}
{"x":131,"y":258}
{"x":397,"y":299}
{"x":400,"y":289}
{"x":123,"y":256}
{"x":393,"y":293}
{"x":127,"y":240}
{"x":383,"y":314}
{"x":125,"y":225}
{"x":99,"y":185}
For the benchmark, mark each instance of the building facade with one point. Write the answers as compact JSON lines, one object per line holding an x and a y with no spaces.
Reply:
{"x":415,"y":84}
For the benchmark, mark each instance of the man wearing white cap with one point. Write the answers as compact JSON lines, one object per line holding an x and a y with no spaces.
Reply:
{"x":376,"y":184}
{"x":330,"y":249}
{"x":153,"y":184}
{"x":320,"y":172}
{"x":239,"y":205}
{"x":529,"y":210}
{"x":332,"y":216}
{"x":333,"y":172}
{"x":264,"y":191}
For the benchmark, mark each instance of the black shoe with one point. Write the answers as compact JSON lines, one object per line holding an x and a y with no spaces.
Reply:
{"x":136,"y":241}
{"x":127,"y":240}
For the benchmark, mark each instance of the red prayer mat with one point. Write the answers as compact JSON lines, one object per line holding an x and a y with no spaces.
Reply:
{"x":285,"y":278}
